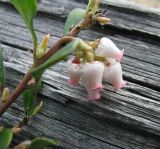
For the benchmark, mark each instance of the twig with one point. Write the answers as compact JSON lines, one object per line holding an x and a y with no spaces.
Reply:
{"x":84,"y":24}
{"x":23,"y":84}
{"x":61,"y":42}
{"x":19,"y":89}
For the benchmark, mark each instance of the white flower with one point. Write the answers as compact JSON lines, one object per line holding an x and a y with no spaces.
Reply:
{"x":92,"y":75}
{"x":92,"y":78}
{"x":107,"y":48}
{"x":113,"y":75}
{"x":94,"y":94}
{"x":75,"y":72}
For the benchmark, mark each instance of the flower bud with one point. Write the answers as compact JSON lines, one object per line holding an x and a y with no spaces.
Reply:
{"x":75,"y":72}
{"x":87,"y":51}
{"x":44,"y":42}
{"x":108,"y":49}
{"x":1,"y":128}
{"x":41,"y":49}
{"x":113,"y":75}
{"x":32,"y":82}
{"x":5,"y":95}
{"x":103,"y":20}
{"x":23,"y":145}
{"x":16,"y":130}
{"x":94,"y":44}
{"x":40,"y":53}
{"x":92,"y":75}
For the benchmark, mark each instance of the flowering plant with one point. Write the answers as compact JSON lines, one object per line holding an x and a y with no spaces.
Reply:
{"x":91,"y":71}
{"x":93,"y":61}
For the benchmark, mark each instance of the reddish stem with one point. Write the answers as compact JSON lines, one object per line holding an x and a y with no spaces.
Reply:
{"x":61,"y":42}
{"x":19,"y":89}
{"x":23,"y":84}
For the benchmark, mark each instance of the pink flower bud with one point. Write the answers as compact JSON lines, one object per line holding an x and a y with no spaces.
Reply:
{"x":75,"y":72}
{"x":113,"y":75}
{"x":107,"y":48}
{"x":92,"y":75}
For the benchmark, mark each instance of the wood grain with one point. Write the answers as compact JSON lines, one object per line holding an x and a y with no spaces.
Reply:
{"x":127,"y":119}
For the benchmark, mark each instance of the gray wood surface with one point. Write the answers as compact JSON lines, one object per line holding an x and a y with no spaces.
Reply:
{"x":127,"y":119}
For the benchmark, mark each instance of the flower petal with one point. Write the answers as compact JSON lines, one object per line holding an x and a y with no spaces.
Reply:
{"x":92,"y":75}
{"x":113,"y":75}
{"x":75,"y":73}
{"x":94,"y":94}
{"x":107,"y":48}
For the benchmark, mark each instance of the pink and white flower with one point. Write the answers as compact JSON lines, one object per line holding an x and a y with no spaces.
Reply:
{"x":91,"y":74}
{"x":75,"y":72}
{"x":92,"y":78}
{"x":113,"y":75}
{"x":107,"y":48}
{"x":94,"y":94}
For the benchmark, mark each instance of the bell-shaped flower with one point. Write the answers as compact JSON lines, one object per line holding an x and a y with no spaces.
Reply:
{"x":75,"y":72}
{"x":94,"y":94}
{"x":107,"y":48}
{"x":92,"y":74}
{"x":92,"y":78}
{"x":113,"y":75}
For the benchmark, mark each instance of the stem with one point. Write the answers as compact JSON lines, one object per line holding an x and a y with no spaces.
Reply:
{"x":23,"y":84}
{"x":85,"y":23}
{"x":19,"y":89}
{"x":1,"y":90}
{"x":34,"y":38}
{"x":34,"y":53}
{"x":61,"y":42}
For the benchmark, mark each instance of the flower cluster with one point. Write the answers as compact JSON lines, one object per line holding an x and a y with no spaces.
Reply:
{"x":92,"y":73}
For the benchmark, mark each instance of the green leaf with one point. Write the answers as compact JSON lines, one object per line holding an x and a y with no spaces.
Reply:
{"x":1,"y":69}
{"x":93,"y":5}
{"x":6,"y":135}
{"x":74,"y":17}
{"x":29,"y":96}
{"x":61,"y":54}
{"x":37,"y":109}
{"x":27,"y":9}
{"x":40,"y":143}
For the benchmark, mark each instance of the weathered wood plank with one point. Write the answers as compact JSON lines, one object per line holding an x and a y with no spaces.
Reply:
{"x":86,"y":131}
{"x":136,"y":105}
{"x":141,"y":62}
{"x":128,"y":119}
{"x":121,"y":17}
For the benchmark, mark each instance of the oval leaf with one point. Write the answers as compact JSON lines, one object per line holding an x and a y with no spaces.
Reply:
{"x":74,"y":17}
{"x":62,"y":53}
{"x":27,"y":9}
{"x":37,"y":109}
{"x":40,"y":143}
{"x":1,"y":69}
{"x":5,"y":138}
